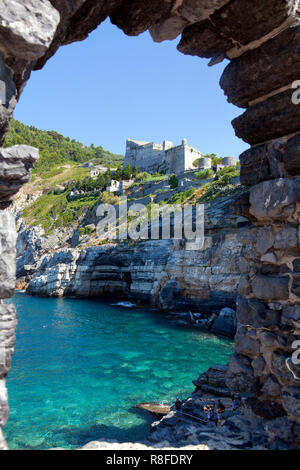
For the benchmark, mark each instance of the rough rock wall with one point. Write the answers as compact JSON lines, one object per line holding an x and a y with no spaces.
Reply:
{"x":260,"y":76}
{"x":261,"y":40}
{"x":15,"y":165}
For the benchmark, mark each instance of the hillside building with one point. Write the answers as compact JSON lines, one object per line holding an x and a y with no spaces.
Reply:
{"x":151,"y":157}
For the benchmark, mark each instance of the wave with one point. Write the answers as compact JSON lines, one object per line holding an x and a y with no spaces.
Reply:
{"x":124,"y":304}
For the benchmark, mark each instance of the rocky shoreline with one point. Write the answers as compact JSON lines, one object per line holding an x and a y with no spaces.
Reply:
{"x":194,"y":286}
{"x":189,"y":428}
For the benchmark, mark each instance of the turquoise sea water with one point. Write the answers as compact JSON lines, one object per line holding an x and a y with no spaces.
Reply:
{"x":80,"y":365}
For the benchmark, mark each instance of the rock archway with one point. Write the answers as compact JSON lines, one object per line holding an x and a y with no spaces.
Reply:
{"x":261,"y":39}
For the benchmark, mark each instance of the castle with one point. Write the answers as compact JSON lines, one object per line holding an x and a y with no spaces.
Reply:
{"x":151,"y":157}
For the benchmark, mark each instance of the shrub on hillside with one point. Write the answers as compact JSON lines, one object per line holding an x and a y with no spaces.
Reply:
{"x":109,"y":198}
{"x":173,"y":181}
{"x":204,"y":174}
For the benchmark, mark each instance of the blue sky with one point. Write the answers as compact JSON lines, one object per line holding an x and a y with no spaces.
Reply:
{"x":111,"y":86}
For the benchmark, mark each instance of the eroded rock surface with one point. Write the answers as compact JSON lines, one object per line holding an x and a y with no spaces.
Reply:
{"x":163,"y":273}
{"x":15,"y":170}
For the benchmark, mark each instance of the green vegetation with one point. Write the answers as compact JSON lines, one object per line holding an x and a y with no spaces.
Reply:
{"x":89,"y":184}
{"x":216,"y":160}
{"x":184,"y":197}
{"x":221,"y":186}
{"x":127,"y":172}
{"x":57,"y":150}
{"x":204,"y":174}
{"x":144,"y":177}
{"x":54,"y":210}
{"x":173,"y":181}
{"x":60,"y":172}
{"x":109,"y":198}
{"x":87,"y":230}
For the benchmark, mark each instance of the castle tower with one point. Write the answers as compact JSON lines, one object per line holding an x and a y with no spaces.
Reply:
{"x":228,"y":161}
{"x":204,"y":163}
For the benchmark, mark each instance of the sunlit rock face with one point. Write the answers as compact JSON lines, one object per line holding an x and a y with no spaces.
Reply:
{"x":15,"y":170}
{"x":161,"y":273}
{"x":8,"y":320}
{"x":261,"y":38}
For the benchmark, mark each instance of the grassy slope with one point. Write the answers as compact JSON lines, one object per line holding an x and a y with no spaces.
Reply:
{"x":54,"y":211}
{"x":61,"y":162}
{"x":57,"y":150}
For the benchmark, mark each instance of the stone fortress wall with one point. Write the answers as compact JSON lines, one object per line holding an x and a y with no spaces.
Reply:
{"x":151,"y":157}
{"x":205,"y":163}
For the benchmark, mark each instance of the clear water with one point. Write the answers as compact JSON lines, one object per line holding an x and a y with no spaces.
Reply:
{"x":80,"y":365}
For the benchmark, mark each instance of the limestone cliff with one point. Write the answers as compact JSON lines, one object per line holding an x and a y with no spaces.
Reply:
{"x":162,"y":273}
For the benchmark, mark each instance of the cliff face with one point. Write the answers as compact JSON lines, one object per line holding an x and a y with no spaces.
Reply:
{"x":157,"y":272}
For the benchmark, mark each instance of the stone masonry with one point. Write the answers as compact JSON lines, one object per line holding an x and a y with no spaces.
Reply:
{"x":261,"y":40}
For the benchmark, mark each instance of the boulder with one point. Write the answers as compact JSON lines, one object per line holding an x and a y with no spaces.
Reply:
{"x":213,"y":376}
{"x":271,"y":200}
{"x":216,"y":36}
{"x":15,"y":170}
{"x":225,"y":324}
{"x":203,"y":40}
{"x":156,"y":409}
{"x":135,"y":17}
{"x":275,"y":117}
{"x":170,"y":291}
{"x":248,"y":77}
{"x":27,"y":30}
{"x":262,"y":162}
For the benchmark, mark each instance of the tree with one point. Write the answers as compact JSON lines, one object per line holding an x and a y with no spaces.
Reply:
{"x":134,"y":171}
{"x":118,"y":174}
{"x":127,"y":172}
{"x":173,"y":181}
